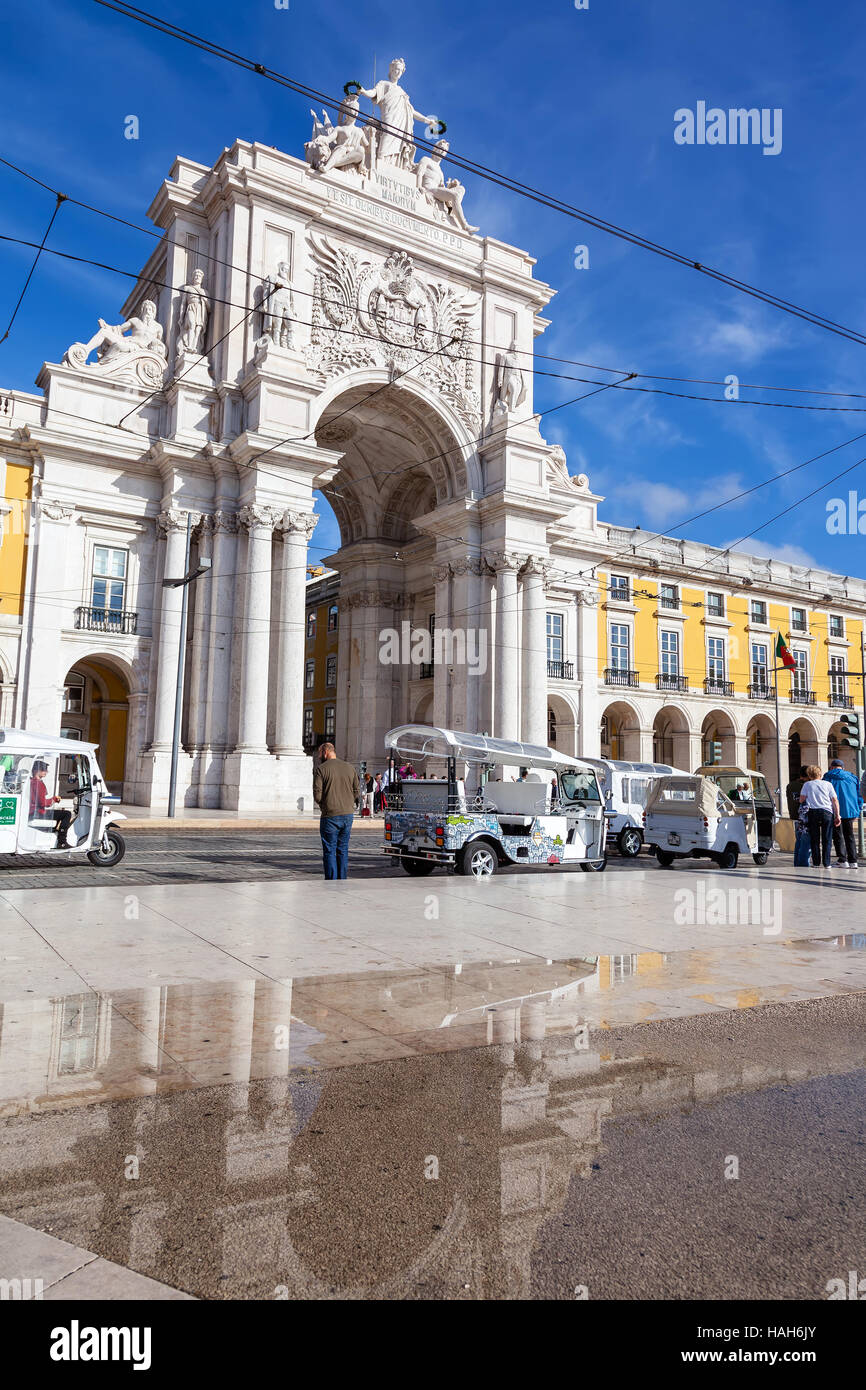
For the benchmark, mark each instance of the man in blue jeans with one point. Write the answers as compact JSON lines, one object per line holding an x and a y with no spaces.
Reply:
{"x":335,"y":792}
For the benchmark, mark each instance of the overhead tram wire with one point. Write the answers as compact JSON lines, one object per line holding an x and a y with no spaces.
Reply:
{"x":61,"y":199}
{"x":531,"y":353}
{"x":491,"y":175}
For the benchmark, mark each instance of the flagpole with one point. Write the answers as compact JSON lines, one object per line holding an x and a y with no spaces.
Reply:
{"x":778,"y":738}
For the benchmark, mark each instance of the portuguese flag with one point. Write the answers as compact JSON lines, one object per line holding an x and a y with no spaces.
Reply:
{"x":784,"y":654}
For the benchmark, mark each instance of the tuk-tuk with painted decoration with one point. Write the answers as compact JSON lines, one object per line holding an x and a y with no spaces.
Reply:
{"x":54,"y":800}
{"x":492,"y":802}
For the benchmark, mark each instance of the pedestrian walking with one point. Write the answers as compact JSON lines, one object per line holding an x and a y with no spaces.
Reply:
{"x":792,"y":793}
{"x":847,"y":791}
{"x":367,"y":786}
{"x":377,"y":794}
{"x":336,"y":791}
{"x":823,"y":807}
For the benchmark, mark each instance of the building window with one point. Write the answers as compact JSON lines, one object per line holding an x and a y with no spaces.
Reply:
{"x":619,"y":587}
{"x":759,"y":611}
{"x":619,"y":646}
{"x":73,"y":694}
{"x":311,"y":623}
{"x":308,"y":727}
{"x":333,"y":612}
{"x":330,"y":721}
{"x":838,"y":677}
{"x":669,"y":595}
{"x":716,"y":658}
{"x":108,"y":582}
{"x":551,"y":728}
{"x":670,"y":654}
{"x":78,"y":1033}
{"x":800,"y":674}
{"x":554,"y":637}
{"x":837,"y":625}
{"x":798,"y":620}
{"x":715,"y":605}
{"x":309,"y":675}
{"x":759,"y":665}
{"x":331,"y":671}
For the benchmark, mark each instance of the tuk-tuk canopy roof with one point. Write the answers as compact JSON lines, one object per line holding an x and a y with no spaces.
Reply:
{"x":23,"y":741}
{"x":422,"y":741}
{"x":680,"y":795}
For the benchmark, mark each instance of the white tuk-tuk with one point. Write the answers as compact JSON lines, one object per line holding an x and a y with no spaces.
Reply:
{"x":688,"y":816}
{"x":474,"y":820}
{"x":748,"y":792}
{"x":625,"y":787}
{"x":53,"y":799}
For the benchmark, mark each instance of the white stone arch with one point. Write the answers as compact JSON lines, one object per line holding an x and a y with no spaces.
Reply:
{"x":802,"y":734}
{"x":720,"y":726}
{"x":673,"y":729}
{"x":761,"y":746}
{"x":625,"y":723}
{"x":564,"y":709}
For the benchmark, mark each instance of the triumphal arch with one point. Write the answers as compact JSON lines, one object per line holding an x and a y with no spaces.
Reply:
{"x":329,"y":322}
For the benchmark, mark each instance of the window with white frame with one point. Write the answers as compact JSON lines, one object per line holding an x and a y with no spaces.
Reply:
{"x":108,"y":581}
{"x":800,"y":673}
{"x":669,"y":596}
{"x":311,"y":623}
{"x":715,"y":605}
{"x":330,"y":721}
{"x":331,"y":671}
{"x":670,"y":653}
{"x":716,"y":658}
{"x":837,"y":625}
{"x":554,"y":637}
{"x":308,"y":727}
{"x":619,"y":646}
{"x":758,"y":611}
{"x":333,"y":617}
{"x":619,"y":587}
{"x":73,"y":694}
{"x":838,"y":676}
{"x":309,"y":675}
{"x":759,"y":665}
{"x":798,"y":620}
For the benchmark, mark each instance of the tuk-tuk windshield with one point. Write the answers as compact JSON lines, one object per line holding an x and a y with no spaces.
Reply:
{"x":578,"y":786}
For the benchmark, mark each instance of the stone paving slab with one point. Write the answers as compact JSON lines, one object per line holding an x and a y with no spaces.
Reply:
{"x":52,"y":1269}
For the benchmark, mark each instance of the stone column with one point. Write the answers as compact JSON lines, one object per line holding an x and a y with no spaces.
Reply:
{"x":43,"y":684}
{"x":198,"y":667}
{"x":297,"y":528}
{"x":534,"y":652}
{"x":173,"y":524}
{"x":506,"y":709}
{"x":252,"y":729}
{"x":471,"y":652}
{"x":222,"y":591}
{"x":442,"y":608}
{"x":588,"y":674}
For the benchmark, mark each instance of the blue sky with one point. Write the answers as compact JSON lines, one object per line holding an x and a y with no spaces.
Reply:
{"x":577,"y":102}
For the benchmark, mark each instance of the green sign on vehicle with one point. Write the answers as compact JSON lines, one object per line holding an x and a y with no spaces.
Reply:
{"x":8,"y":810}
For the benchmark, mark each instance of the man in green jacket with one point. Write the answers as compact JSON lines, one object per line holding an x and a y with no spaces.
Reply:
{"x":335,"y":792}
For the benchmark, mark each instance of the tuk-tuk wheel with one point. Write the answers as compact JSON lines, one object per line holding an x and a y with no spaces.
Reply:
{"x":416,"y":868}
{"x":477,"y":859}
{"x":665,"y":859}
{"x":761,"y":857}
{"x":630,"y":842}
{"x":112,"y":848}
{"x":729,"y":857}
{"x":594,"y":866}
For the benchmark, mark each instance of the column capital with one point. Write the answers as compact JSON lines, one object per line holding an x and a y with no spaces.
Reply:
{"x":53,"y":509}
{"x":224,"y":520}
{"x":537,"y":566}
{"x":256,"y":518}
{"x":470,"y":564}
{"x":298,"y":523}
{"x":588,"y":598}
{"x":441,"y":573}
{"x":505,"y":560}
{"x":173,"y":519}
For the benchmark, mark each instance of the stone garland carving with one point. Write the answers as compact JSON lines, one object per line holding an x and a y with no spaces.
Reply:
{"x":54,"y":510}
{"x":385,"y":315}
{"x":373,"y":598}
{"x":133,"y":351}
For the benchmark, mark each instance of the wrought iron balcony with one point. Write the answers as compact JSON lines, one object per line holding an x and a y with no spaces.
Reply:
{"x":714,"y":685}
{"x":762,"y":692}
{"x":802,"y":697}
{"x":113,"y":620}
{"x":840,"y":701}
{"x":560,"y":670}
{"x":666,"y":681}
{"x":615,"y":675}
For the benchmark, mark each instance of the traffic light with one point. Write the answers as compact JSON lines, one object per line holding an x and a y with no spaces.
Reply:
{"x":363,"y":767}
{"x":850,"y":735}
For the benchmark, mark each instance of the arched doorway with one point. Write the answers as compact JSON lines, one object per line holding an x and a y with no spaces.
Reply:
{"x":96,"y":710}
{"x":424,"y":709}
{"x":562,"y":726}
{"x":620,"y":732}
{"x":802,"y":747}
{"x":407,"y":456}
{"x":835,"y":749}
{"x":761,"y":747}
{"x":671,"y":742}
{"x":718,"y":740}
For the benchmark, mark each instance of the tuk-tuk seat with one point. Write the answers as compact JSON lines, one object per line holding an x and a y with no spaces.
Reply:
{"x":526,"y":799}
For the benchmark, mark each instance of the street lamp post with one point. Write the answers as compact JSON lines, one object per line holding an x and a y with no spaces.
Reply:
{"x":184,"y":583}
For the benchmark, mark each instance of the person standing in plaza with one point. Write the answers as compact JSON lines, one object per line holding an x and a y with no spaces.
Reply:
{"x":792,"y":794}
{"x":823,"y":807}
{"x":850,"y":801}
{"x":335,"y":791}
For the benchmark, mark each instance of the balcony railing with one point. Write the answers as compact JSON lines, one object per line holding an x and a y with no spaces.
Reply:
{"x":119,"y":621}
{"x":666,"y":681}
{"x":560,"y":670}
{"x":714,"y":685}
{"x":762,"y":692}
{"x":615,"y":675}
{"x":839,"y":701}
{"x":802,"y":697}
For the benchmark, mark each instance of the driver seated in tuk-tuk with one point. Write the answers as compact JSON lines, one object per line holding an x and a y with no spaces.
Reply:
{"x":40,"y":803}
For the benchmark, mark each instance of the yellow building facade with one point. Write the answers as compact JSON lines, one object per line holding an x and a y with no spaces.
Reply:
{"x":320,"y":659}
